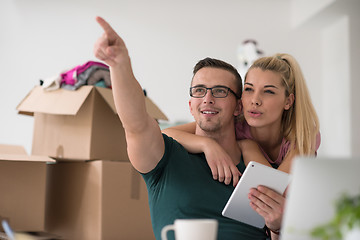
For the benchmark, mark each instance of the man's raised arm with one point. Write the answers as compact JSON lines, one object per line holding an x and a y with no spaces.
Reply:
{"x":145,"y":144}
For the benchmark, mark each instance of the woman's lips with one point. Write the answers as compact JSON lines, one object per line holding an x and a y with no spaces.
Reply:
{"x":254,"y":114}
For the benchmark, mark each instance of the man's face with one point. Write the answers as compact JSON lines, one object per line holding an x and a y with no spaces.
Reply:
{"x":210,"y":113}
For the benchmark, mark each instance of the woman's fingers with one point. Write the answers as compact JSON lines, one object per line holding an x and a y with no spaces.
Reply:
{"x":214,"y":170}
{"x":268,"y":204}
{"x":266,"y":199}
{"x":228,"y":175}
{"x":235,"y":174}
{"x":222,"y":172}
{"x":271,"y":197}
{"x":222,"y":167}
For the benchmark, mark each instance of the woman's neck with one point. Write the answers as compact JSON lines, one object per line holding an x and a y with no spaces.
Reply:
{"x":269,"y":138}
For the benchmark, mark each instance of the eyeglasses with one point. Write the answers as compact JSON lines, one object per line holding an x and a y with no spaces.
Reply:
{"x":217,"y":92}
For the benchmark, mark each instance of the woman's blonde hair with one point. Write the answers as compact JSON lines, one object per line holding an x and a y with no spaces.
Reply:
{"x":300,"y":123}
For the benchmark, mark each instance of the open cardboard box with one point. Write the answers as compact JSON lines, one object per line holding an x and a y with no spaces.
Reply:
{"x":23,"y":188}
{"x":78,"y":125}
{"x":97,"y":200}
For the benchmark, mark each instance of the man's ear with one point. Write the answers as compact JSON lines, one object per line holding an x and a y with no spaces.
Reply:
{"x":190,"y":108}
{"x":289,"y":101}
{"x":238,"y":109}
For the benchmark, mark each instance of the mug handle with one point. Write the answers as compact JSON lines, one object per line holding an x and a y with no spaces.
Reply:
{"x":165,"y":229}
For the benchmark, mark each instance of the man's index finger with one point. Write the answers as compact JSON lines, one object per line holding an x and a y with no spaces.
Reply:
{"x":106,"y":26}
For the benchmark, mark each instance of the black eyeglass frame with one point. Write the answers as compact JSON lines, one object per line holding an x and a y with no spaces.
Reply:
{"x":211,"y":90}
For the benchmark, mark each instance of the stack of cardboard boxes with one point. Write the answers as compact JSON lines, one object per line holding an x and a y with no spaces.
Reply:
{"x":78,"y":183}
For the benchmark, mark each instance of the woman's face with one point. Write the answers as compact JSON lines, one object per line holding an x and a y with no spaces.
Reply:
{"x":264,"y":98}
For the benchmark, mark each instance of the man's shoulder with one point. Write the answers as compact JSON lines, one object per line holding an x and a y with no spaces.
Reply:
{"x":171,"y":142}
{"x":172,"y":147}
{"x":175,"y":157}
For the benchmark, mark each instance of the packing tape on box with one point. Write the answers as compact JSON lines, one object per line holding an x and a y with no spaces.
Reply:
{"x":60,"y":151}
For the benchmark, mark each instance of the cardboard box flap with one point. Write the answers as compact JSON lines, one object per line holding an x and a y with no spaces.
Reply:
{"x":67,"y":102}
{"x":12,"y":149}
{"x":151,"y":108}
{"x":25,"y":158}
{"x":61,"y":101}
{"x":106,"y":93}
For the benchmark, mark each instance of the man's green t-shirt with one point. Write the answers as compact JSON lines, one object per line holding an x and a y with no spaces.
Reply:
{"x":181,"y":187}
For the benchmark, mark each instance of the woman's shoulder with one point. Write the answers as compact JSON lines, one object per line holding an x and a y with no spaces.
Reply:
{"x":242,"y":130}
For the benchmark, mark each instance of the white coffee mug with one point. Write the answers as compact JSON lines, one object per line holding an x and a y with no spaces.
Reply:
{"x":192,"y":229}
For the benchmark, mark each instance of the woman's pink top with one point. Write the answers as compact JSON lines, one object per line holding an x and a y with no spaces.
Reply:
{"x":243,"y":132}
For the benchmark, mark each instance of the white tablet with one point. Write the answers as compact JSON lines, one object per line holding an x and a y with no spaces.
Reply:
{"x":255,"y":174}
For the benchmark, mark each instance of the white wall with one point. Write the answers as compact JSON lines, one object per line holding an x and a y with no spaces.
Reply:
{"x":39,"y":38}
{"x":303,"y":10}
{"x":336,"y":94}
{"x":335,"y":113}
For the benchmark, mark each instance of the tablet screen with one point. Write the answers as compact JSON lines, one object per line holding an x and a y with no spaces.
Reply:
{"x":255,"y":174}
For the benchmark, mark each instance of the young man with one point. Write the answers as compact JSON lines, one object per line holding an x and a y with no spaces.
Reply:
{"x":180,"y":184}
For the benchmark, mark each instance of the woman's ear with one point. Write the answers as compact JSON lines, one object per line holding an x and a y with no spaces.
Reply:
{"x":289,"y":101}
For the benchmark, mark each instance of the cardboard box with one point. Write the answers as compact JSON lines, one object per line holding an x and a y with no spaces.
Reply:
{"x":78,"y":125}
{"x":12,"y":149}
{"x":31,"y":236}
{"x":97,"y":200}
{"x":23,"y":188}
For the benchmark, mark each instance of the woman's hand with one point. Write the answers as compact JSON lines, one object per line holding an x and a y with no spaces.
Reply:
{"x":222,"y":167}
{"x":269,"y":204}
{"x":219,"y":161}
